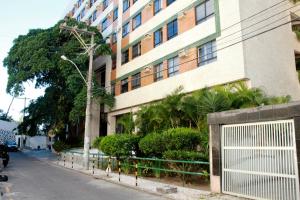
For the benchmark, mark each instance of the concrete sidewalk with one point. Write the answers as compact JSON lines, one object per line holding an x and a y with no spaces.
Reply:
{"x":183,"y":193}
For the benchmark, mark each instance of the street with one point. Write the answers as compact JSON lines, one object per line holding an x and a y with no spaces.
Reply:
{"x":33,"y":179}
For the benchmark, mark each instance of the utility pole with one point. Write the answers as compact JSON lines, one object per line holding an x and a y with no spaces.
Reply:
{"x":90,"y":51}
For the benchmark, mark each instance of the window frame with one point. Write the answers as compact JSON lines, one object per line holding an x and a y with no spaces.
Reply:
{"x":206,"y":16}
{"x":102,"y":23}
{"x":173,"y":28}
{"x":114,"y":38}
{"x":175,"y":68}
{"x":139,"y":50}
{"x":124,"y":83}
{"x":135,"y":25}
{"x":126,"y":8}
{"x":160,"y":30}
{"x":136,"y":81}
{"x":125,"y":25}
{"x":154,"y":8}
{"x":116,"y":14}
{"x":123,"y":59}
{"x":211,"y":56}
{"x":104,"y":4}
{"x":169,"y":2}
{"x":158,"y":75}
{"x":94,"y":15}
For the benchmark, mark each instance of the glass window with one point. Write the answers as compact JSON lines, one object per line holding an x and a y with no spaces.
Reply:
{"x":115,"y":14}
{"x":124,"y":85}
{"x":134,"y":1}
{"x":136,"y":81}
{"x":136,"y":50}
{"x":172,"y":28}
{"x":204,"y":10}
{"x":79,"y":3}
{"x":126,"y":5}
{"x":125,"y":29}
{"x":90,"y":20}
{"x":105,"y":4}
{"x":113,"y":89}
{"x":114,"y":38}
{"x":136,"y":21}
{"x":78,"y":18}
{"x":104,"y":24}
{"x":157,"y":6}
{"x":170,"y":2}
{"x":82,"y":13}
{"x":92,"y":2}
{"x":125,"y":56}
{"x":158,"y":72}
{"x":94,"y":15}
{"x":173,"y":66}
{"x":158,"y":37}
{"x":207,"y":53}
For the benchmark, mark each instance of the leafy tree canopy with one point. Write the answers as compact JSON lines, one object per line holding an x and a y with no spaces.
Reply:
{"x":37,"y":57}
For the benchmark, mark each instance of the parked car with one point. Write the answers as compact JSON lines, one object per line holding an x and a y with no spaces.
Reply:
{"x":11,"y":146}
{"x":4,"y":154}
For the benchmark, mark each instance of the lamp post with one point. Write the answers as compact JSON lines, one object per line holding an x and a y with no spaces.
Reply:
{"x":66,"y":59}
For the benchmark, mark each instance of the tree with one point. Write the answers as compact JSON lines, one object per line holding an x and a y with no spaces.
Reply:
{"x":4,"y":116}
{"x":36,"y":57}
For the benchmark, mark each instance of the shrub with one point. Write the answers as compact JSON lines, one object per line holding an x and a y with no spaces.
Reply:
{"x":96,"y":142}
{"x":59,"y":146}
{"x":153,"y":144}
{"x":185,"y":155}
{"x":120,"y":145}
{"x":156,"y":144}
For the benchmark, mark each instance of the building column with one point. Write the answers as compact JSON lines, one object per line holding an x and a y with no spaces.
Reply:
{"x":215,"y":158}
{"x":111,"y":124}
{"x":95,"y":119}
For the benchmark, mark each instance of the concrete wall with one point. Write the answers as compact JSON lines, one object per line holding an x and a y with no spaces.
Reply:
{"x":269,"y":58}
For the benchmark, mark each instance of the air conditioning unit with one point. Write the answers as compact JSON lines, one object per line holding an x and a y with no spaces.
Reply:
{"x":147,"y":36}
{"x":183,"y":53}
{"x":181,"y":15}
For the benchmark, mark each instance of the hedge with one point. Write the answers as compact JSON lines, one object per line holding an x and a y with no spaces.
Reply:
{"x":119,"y":145}
{"x":96,"y":142}
{"x":156,"y":144}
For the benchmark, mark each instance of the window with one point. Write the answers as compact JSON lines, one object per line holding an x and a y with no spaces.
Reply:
{"x":136,"y":50}
{"x":104,"y":24}
{"x":113,"y":89}
{"x":136,"y":81}
{"x":90,"y":20}
{"x":173,"y":66}
{"x":114,"y":63}
{"x":207,"y":53}
{"x":92,"y":2}
{"x":172,"y":28}
{"x":157,"y":6}
{"x":124,"y":85}
{"x":158,"y":72}
{"x":136,"y":21}
{"x":125,"y":29}
{"x":94,"y":15}
{"x":125,"y":56}
{"x":114,"y":38}
{"x":158,"y":35}
{"x":134,"y":1}
{"x":115,"y":14}
{"x":204,"y":10}
{"x":78,"y":18}
{"x":169,"y":2}
{"x":82,"y":13}
{"x":105,"y":4}
{"x":79,"y":3}
{"x":126,"y":5}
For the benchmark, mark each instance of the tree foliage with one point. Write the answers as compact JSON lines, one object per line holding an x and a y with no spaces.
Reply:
{"x":4,"y":116}
{"x":37,"y":57}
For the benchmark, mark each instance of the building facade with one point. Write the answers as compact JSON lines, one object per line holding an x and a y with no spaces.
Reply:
{"x":159,"y":45}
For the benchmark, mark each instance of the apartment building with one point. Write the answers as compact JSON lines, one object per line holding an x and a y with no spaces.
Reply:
{"x":159,"y":45}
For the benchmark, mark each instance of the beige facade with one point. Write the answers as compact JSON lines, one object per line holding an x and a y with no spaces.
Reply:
{"x":210,"y":41}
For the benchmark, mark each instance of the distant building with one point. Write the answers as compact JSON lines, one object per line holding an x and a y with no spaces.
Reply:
{"x":159,"y":45}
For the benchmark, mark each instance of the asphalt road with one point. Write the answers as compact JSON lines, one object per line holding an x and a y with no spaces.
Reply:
{"x":32,"y":179}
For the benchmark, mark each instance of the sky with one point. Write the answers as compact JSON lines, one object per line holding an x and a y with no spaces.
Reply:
{"x":17,"y":17}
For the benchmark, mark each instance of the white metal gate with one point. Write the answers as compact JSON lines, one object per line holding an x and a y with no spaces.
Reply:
{"x":259,"y":160}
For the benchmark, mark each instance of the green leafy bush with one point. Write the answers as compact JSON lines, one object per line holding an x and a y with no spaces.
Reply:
{"x":96,"y":142}
{"x":185,"y":155}
{"x":119,"y":145}
{"x":59,"y":146}
{"x":156,"y":144}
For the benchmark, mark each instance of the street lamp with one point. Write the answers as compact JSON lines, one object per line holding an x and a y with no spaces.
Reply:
{"x":66,"y":59}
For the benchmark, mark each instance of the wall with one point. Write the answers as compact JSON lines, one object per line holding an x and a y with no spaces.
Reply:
{"x":269,"y":58}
